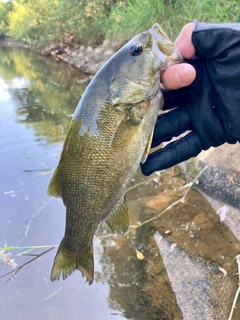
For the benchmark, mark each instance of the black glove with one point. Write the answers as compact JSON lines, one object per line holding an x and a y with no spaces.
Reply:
{"x":209,"y":107}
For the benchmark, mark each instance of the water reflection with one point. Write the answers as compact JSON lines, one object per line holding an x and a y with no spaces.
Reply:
{"x":47,"y":95}
{"x":37,"y":97}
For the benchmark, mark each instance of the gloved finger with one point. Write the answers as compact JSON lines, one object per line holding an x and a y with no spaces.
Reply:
{"x":216,"y":41}
{"x":174,"y":153}
{"x":171,"y":124}
{"x":176,"y":98}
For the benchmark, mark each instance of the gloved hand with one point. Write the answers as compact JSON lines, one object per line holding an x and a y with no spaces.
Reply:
{"x":209,"y":107}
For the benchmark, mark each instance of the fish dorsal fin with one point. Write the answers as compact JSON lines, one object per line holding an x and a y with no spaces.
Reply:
{"x":54,"y":188}
{"x":118,"y":220}
{"x":147,"y":148}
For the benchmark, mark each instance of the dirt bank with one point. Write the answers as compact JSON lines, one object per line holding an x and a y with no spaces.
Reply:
{"x":87,"y":58}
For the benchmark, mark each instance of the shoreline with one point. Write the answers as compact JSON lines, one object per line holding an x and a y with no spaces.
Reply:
{"x":86,"y":58}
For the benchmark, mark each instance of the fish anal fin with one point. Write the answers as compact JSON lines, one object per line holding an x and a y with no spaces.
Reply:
{"x":118,"y":220}
{"x":147,"y":148}
{"x":66,"y":262}
{"x":54,"y":188}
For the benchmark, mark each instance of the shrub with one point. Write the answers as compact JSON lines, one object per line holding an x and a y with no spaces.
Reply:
{"x":5,"y":8}
{"x":40,"y":22}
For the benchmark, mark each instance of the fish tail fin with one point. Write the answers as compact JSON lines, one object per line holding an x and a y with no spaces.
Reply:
{"x":66,"y":262}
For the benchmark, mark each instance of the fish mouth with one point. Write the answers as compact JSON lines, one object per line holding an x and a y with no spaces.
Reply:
{"x":163,"y":48}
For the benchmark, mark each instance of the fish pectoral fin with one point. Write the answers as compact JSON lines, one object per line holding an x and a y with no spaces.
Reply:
{"x":54,"y":188}
{"x":123,"y":91}
{"x":147,"y":148}
{"x":118,"y":220}
{"x":66,"y":262}
{"x":136,"y":114}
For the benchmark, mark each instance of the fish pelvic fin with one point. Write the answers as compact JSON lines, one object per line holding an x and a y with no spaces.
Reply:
{"x":66,"y":262}
{"x":118,"y":220}
{"x":54,"y":188}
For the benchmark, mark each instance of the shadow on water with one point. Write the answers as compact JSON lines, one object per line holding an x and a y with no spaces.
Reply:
{"x":183,"y":249}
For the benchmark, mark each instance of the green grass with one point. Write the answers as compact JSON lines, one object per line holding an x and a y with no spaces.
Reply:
{"x":90,"y":21}
{"x":131,"y":17}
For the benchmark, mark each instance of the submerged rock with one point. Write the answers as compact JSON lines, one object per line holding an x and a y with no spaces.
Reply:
{"x":200,"y":287}
{"x":189,"y":268}
{"x":219,"y":181}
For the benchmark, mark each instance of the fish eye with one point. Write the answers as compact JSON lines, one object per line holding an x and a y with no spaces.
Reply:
{"x":135,"y":49}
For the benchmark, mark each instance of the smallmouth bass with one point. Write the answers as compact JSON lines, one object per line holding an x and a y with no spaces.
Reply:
{"x":109,"y":136}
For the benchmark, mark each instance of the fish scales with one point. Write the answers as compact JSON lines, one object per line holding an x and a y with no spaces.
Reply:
{"x":109,"y":135}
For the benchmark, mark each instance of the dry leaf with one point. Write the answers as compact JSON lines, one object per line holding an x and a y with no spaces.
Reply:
{"x":172,"y":247}
{"x":6,"y":258}
{"x":222,"y":212}
{"x":140,"y":256}
{"x":223,"y":271}
{"x":168,"y":231}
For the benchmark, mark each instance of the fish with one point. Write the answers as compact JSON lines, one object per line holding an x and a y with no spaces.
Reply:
{"x":110,"y":134}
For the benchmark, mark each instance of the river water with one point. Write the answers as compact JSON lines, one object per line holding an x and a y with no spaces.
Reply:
{"x":37,"y":99}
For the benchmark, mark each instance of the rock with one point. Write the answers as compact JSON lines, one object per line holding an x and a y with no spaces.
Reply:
{"x":108,"y":53}
{"x":98,"y":51}
{"x":202,"y":221}
{"x":80,"y":55}
{"x":232,"y":219}
{"x":158,"y":202}
{"x":106,"y":43}
{"x":89,"y":49}
{"x":200,"y":288}
{"x":219,"y":181}
{"x":65,"y":58}
{"x":80,"y":64}
{"x":73,"y":54}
